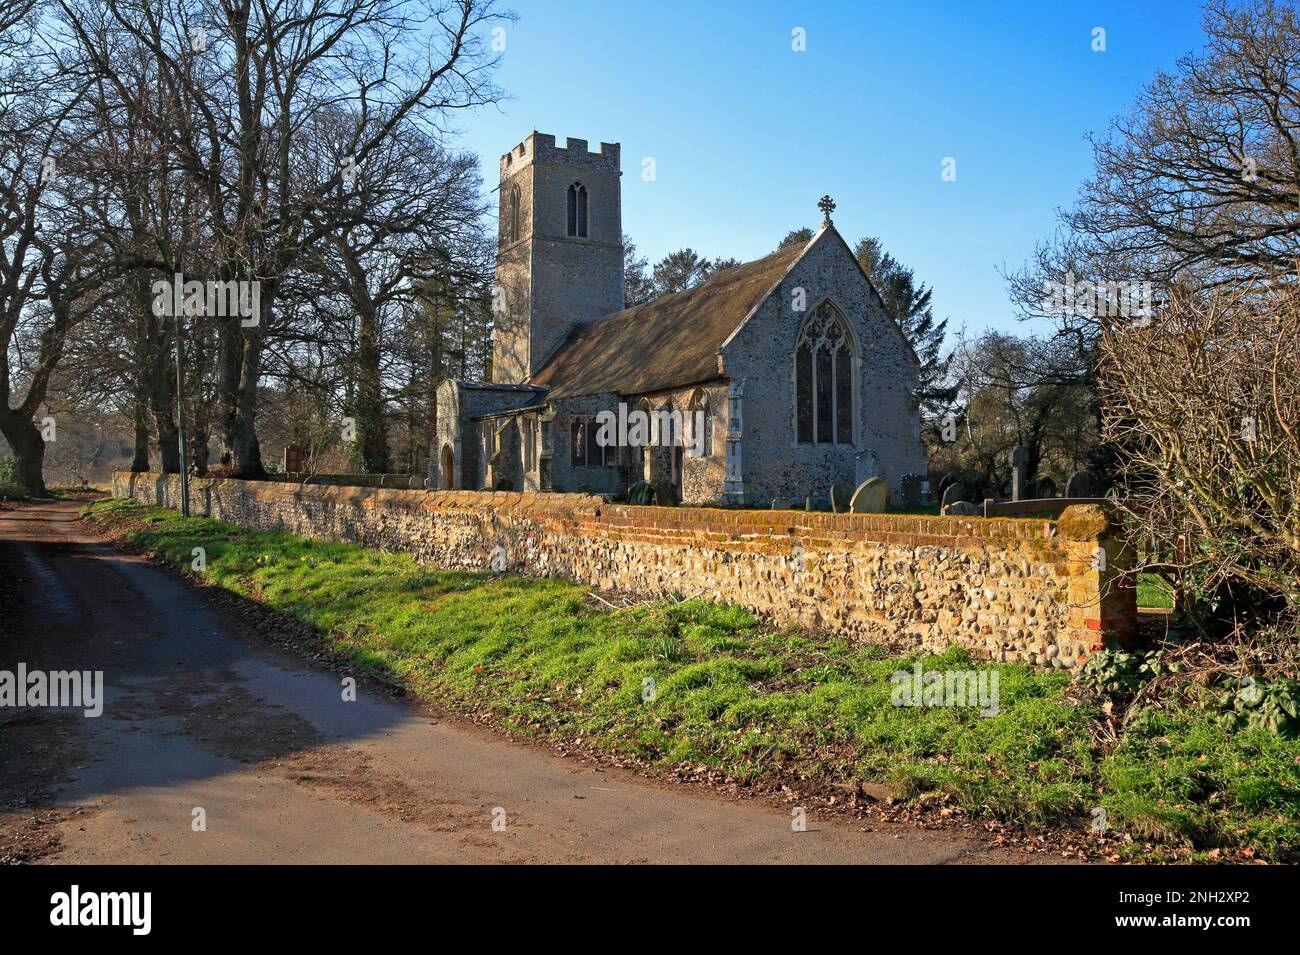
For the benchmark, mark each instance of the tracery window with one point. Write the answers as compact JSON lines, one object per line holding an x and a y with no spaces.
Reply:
{"x":824,"y":363}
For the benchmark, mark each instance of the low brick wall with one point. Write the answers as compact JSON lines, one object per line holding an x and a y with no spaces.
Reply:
{"x":1007,"y":589}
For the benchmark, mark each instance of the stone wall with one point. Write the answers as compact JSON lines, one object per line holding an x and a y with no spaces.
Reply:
{"x":1007,"y":589}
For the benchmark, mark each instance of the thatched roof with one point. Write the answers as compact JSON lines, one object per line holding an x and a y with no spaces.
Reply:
{"x":670,"y":342}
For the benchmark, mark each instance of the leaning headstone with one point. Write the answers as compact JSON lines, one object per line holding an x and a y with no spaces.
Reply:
{"x":1019,"y":472}
{"x":961,"y":509}
{"x":780,"y":504}
{"x":871,"y":497}
{"x":945,"y":482}
{"x":1045,"y":487}
{"x":951,"y":495}
{"x":841,"y":495}
{"x":1079,"y":485}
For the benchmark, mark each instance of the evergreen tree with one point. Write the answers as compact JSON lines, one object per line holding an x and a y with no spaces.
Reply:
{"x":909,"y":303}
{"x":796,"y":237}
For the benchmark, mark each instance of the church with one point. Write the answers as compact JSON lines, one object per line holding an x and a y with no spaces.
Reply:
{"x":769,"y":381}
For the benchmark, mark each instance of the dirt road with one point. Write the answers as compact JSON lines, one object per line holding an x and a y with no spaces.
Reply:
{"x":203,"y":720}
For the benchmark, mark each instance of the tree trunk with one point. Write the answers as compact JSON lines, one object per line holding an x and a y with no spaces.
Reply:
{"x":140,"y":414}
{"x":372,"y":434}
{"x":199,"y":356}
{"x":238,"y":373}
{"x":227,"y":389}
{"x":246,"y":452}
{"x":29,"y":452}
{"x":143,"y":361}
{"x":199,"y":449}
{"x":162,"y":396}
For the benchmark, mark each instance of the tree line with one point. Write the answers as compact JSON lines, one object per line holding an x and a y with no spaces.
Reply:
{"x":300,"y":150}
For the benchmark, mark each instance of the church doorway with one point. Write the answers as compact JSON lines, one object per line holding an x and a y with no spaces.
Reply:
{"x":448,"y":460}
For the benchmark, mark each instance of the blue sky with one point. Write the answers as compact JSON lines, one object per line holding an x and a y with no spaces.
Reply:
{"x":747,"y":134}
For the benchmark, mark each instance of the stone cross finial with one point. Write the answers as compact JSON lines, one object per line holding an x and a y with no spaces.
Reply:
{"x":827,"y":205}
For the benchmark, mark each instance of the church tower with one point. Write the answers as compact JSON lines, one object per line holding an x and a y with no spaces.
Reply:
{"x":560,"y":250}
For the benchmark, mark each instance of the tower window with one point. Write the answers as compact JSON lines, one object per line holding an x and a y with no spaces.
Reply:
{"x":578,"y":210}
{"x":514,"y":227}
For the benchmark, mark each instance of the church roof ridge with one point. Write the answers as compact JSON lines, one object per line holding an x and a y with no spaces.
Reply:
{"x":670,"y":341}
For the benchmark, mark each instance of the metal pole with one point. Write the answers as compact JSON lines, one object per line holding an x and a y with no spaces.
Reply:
{"x":180,"y":420}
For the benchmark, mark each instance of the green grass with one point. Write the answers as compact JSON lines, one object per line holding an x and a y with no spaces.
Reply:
{"x":756,"y":703}
{"x":1154,"y":592}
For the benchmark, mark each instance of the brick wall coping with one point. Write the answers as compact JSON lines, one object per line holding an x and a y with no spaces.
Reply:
{"x":920,"y":529}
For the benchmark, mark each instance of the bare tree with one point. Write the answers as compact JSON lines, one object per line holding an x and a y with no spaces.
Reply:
{"x":48,"y":262}
{"x":1205,"y":403}
{"x":1015,"y":391}
{"x":250,"y":84}
{"x":417,"y":211}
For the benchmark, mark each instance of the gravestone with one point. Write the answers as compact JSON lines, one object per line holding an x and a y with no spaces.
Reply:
{"x":1079,"y":485}
{"x":962,"y":509}
{"x":951,"y":495}
{"x":780,"y":504}
{"x":945,"y":482}
{"x":865,"y":465}
{"x":1019,"y":472}
{"x":911,"y":486}
{"x":871,"y":497}
{"x":841,"y":495}
{"x":1045,"y":487}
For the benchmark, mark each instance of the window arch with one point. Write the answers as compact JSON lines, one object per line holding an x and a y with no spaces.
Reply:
{"x":578,"y":210}
{"x":514,"y":226}
{"x":699,"y":423}
{"x":636,"y":450}
{"x":825,"y":367}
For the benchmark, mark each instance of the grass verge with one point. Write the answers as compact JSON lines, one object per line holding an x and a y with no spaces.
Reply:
{"x":665,"y":684}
